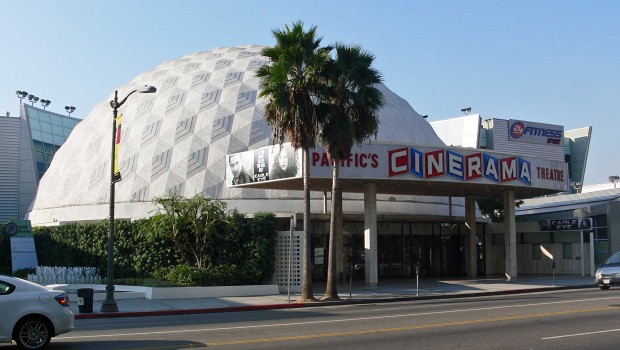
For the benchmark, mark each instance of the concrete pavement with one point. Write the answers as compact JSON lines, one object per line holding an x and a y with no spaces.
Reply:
{"x":385,"y":291}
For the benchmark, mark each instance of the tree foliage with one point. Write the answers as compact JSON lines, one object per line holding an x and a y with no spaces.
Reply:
{"x":193,"y":223}
{"x":493,"y":208}
{"x":292,"y":83}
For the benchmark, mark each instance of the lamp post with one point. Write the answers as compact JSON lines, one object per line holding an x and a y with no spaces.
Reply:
{"x":109,"y":305}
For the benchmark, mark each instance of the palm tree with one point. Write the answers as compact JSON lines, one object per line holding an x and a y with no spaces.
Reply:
{"x":353,"y":101}
{"x":292,"y":83}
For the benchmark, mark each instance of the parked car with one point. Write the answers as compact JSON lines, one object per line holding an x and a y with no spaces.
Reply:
{"x":608,"y":274}
{"x":31,"y":314}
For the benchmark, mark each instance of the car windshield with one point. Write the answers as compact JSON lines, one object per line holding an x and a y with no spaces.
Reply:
{"x":613,"y":260}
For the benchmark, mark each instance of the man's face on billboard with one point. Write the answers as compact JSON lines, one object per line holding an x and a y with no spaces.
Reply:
{"x":235,"y":164}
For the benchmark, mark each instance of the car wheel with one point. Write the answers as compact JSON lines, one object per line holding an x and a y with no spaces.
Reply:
{"x":33,"y":333}
{"x":604,"y":287}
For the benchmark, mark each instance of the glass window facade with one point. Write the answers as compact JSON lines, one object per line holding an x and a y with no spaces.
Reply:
{"x":403,"y":248}
{"x":49,"y":131}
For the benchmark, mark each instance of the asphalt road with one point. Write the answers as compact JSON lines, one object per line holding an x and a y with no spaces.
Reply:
{"x":572,"y":319}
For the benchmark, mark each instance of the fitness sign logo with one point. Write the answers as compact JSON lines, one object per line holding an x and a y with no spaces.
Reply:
{"x":517,"y":129}
{"x":522,"y":131}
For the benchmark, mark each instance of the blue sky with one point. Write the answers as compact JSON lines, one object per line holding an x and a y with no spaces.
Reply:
{"x":555,"y":62}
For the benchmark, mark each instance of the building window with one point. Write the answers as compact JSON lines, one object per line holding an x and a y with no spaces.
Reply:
{"x":34,"y":124}
{"x":45,"y":127}
{"x":41,"y":167}
{"x":56,"y":120}
{"x":567,"y":250}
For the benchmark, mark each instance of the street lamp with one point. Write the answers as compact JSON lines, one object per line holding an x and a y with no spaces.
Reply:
{"x":109,"y":305}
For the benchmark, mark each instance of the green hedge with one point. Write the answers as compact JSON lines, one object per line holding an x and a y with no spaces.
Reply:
{"x":241,"y":252}
{"x":86,"y":245}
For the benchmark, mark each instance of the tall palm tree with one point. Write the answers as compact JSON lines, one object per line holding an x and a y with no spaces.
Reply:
{"x":353,"y":101}
{"x":292,"y":83}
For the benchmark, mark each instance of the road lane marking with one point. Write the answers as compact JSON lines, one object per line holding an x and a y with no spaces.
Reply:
{"x":370,"y":318}
{"x":399,"y":329}
{"x":581,"y":334}
{"x":335,"y":334}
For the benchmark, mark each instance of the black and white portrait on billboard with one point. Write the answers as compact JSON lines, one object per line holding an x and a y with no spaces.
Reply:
{"x":238,"y":170}
{"x":285,"y":162}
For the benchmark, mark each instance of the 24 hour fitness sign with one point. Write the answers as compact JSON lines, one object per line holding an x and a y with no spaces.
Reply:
{"x":530,"y":132}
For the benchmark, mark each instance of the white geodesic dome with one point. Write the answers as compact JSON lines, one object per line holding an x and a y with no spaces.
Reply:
{"x":176,"y":140}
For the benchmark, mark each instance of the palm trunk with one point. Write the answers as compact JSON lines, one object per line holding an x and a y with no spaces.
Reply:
{"x":331,"y":290}
{"x":306,"y":285}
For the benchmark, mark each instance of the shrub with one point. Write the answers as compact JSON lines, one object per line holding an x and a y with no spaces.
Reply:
{"x":240,"y":250}
{"x":214,"y":275}
{"x":23,"y":273}
{"x":183,"y":274}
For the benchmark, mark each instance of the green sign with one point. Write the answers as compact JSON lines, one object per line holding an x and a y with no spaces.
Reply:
{"x":18,"y":228}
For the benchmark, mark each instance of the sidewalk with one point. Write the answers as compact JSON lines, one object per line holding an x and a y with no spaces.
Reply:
{"x":392,"y":290}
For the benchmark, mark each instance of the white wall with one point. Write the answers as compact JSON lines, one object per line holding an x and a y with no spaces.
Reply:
{"x":526,"y":264}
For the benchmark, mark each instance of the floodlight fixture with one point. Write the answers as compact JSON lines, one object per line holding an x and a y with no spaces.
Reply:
{"x":21,"y":95}
{"x":466,"y":110}
{"x":45,"y":103}
{"x":33,"y":99}
{"x":69,"y":109}
{"x":614,"y":179}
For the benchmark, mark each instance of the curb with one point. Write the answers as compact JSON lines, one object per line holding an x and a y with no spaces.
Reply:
{"x":296,"y":305}
{"x":188,"y":311}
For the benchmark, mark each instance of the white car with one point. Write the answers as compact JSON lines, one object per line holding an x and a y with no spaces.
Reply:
{"x":608,"y":274}
{"x":31,"y":314}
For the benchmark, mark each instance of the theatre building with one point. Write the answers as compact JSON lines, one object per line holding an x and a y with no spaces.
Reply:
{"x":409,"y":196}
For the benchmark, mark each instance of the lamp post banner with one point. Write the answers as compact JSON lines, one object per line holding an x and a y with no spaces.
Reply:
{"x":117,"y":149}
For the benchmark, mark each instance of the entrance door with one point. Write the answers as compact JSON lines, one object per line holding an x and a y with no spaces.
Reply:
{"x":421,"y":255}
{"x":390,"y":256}
{"x":453,"y":255}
